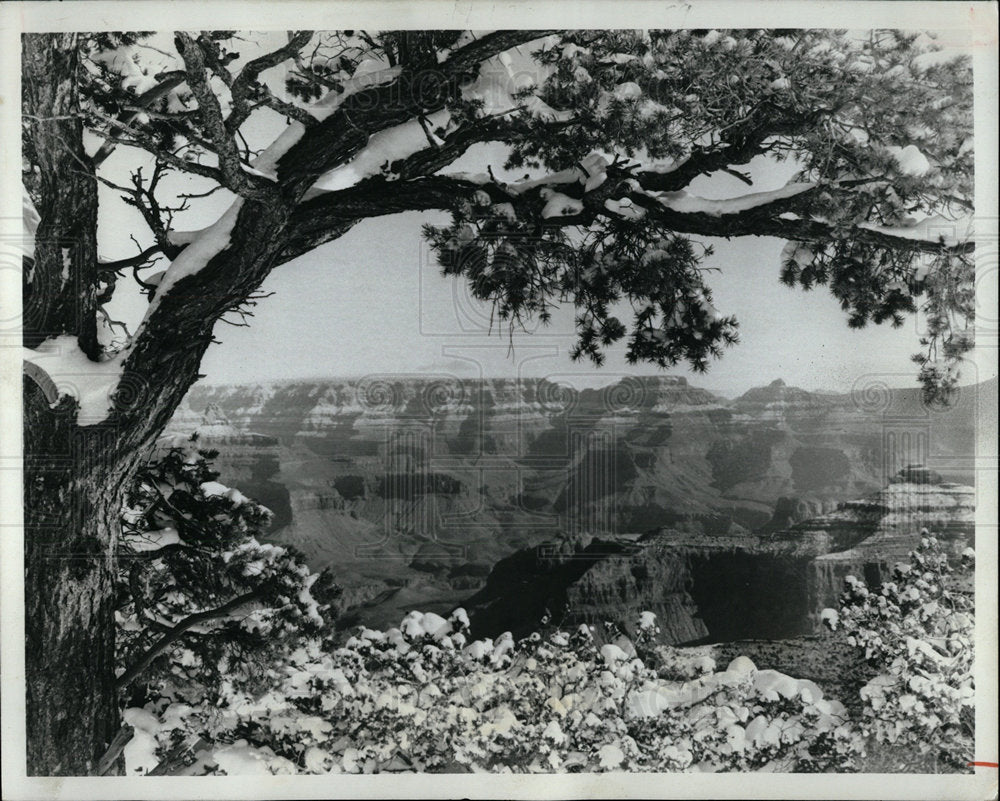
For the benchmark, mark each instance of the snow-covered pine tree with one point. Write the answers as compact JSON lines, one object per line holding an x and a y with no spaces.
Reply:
{"x":612,"y":127}
{"x":199,"y":595}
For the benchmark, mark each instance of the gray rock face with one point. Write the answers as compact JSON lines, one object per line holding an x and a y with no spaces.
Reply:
{"x":414,"y":488}
{"x":720,"y":589}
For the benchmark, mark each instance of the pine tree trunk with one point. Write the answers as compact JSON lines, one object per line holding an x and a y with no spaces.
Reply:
{"x":72,"y":498}
{"x":75,"y":475}
{"x":60,"y":290}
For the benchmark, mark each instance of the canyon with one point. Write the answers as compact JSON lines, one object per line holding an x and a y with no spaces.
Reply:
{"x":767,"y":586}
{"x":727,"y":517}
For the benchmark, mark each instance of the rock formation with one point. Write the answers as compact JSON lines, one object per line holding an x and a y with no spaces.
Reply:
{"x":717,"y":589}
{"x":889,"y":523}
{"x":416,"y":488}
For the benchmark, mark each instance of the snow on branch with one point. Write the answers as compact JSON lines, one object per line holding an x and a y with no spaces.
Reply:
{"x":594,"y":189}
{"x":935,"y":228}
{"x":63,"y":370}
{"x":178,"y":631}
{"x":692,"y":204}
{"x":382,"y":150}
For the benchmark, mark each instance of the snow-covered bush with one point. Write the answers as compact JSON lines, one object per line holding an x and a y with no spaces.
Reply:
{"x":201,"y":597}
{"x":917,"y":629}
{"x":421,"y":697}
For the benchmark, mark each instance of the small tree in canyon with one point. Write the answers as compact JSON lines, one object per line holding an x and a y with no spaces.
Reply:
{"x":614,"y":126}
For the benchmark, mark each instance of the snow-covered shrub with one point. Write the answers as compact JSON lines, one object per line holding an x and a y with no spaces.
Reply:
{"x":202,"y":599}
{"x":421,"y":697}
{"x":917,"y":629}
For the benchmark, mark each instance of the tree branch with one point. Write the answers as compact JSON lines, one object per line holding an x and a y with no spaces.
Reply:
{"x":169,"y":82}
{"x":490,"y":45}
{"x":173,"y":547}
{"x":136,"y":138}
{"x":121,"y":739}
{"x":330,"y":214}
{"x":246,"y":85}
{"x":408,"y":95}
{"x":134,"y":261}
{"x":168,"y":639}
{"x":230,"y":165}
{"x":181,"y":756}
{"x":743,"y":143}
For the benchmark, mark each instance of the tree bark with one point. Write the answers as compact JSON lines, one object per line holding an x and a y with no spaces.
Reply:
{"x":60,"y":288}
{"x":72,"y":484}
{"x":71,"y":500}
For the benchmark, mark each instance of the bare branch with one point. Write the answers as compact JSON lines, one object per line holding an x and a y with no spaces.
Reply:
{"x":246,"y":85}
{"x":135,"y":261}
{"x":137,"y":138}
{"x":158,"y":218}
{"x":230,"y":164}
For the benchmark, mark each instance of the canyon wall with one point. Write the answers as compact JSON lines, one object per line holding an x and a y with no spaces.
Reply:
{"x":766,"y":586}
{"x":412,"y":489}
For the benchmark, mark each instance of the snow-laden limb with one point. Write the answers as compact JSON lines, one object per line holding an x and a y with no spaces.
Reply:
{"x":72,"y":374}
{"x":559,"y":205}
{"x":138,"y":71}
{"x":155,"y":540}
{"x":592,"y":173}
{"x":624,"y":208}
{"x":182,"y":238}
{"x":507,"y":73}
{"x":686,"y":203}
{"x":207,"y":243}
{"x":212,"y":489}
{"x":382,"y":149}
{"x":608,"y":190}
{"x":499,"y":78}
{"x":140,"y":751}
{"x":265,"y":165}
{"x":202,"y":249}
